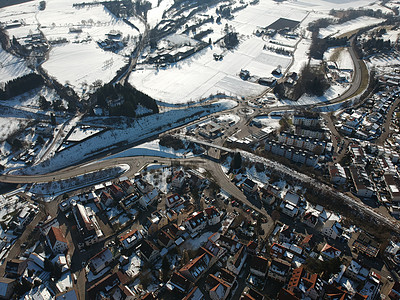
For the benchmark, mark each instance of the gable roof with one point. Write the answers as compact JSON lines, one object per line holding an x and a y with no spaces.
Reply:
{"x":55,"y":235}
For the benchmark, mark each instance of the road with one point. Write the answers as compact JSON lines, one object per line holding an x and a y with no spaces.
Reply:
{"x":388,"y":122}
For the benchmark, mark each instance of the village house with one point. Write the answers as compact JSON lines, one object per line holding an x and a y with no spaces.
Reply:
{"x":311,"y":219}
{"x":249,"y":186}
{"x":100,"y":260}
{"x":180,"y":283}
{"x":178,"y":180}
{"x":366,"y":244}
{"x":116,"y":192}
{"x":332,"y":229}
{"x":213,"y":215}
{"x":235,"y":263}
{"x":148,"y":250}
{"x":130,"y":239}
{"x":337,"y":174}
{"x":127,"y":186}
{"x":278,"y":270}
{"x":7,"y":286}
{"x":106,"y":286}
{"x":57,"y":242}
{"x":289,"y":204}
{"x":106,"y":198}
{"x":303,"y":285}
{"x":173,"y":200}
{"x":194,"y":269}
{"x":196,"y":222}
{"x":259,"y":266}
{"x":87,"y":224}
{"x":330,"y":252}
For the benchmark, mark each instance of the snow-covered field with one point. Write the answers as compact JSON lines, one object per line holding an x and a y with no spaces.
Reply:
{"x":8,"y":126}
{"x":339,"y":29}
{"x":11,"y":67}
{"x":82,"y":64}
{"x":79,"y":133}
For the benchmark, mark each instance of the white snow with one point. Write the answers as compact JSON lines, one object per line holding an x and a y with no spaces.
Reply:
{"x":11,"y":67}
{"x":339,"y":29}
{"x":8,"y":126}
{"x":80,"y":133}
{"x":196,"y":243}
{"x":82,"y":64}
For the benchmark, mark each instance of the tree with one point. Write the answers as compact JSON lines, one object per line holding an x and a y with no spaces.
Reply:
{"x":237,"y":161}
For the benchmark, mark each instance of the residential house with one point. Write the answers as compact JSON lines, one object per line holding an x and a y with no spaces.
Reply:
{"x":149,"y":198}
{"x":311,"y":219}
{"x":194,"y":269}
{"x":330,"y":252}
{"x":130,"y":239}
{"x":143,"y":186}
{"x":173,"y":200}
{"x":356,"y":271}
{"x":304,"y":285}
{"x":289,"y":204}
{"x":217,"y":287}
{"x":58,"y":243}
{"x":127,"y":186}
{"x":366,"y":244}
{"x":214,"y":250}
{"x":148,"y":250}
{"x":194,"y":294}
{"x":277,"y":250}
{"x":235,"y":263}
{"x":278,"y":269}
{"x":7,"y":286}
{"x":105,"y":287}
{"x":106,"y":198}
{"x":251,"y":294}
{"x":249,"y":186}
{"x":213,"y":215}
{"x":395,"y":291}
{"x":337,"y":174}
{"x":259,"y":266}
{"x":15,"y":267}
{"x":362,"y":184}
{"x":196,"y":222}
{"x":87,"y":224}
{"x":393,"y":186}
{"x":232,"y":244}
{"x":332,"y":229}
{"x":67,"y":295}
{"x":179,"y":283}
{"x":116,"y":192}
{"x":165,"y":239}
{"x":100,"y":260}
{"x":285,"y":233}
{"x":178,"y":180}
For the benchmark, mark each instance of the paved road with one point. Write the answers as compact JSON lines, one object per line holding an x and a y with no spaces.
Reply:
{"x":388,"y":122}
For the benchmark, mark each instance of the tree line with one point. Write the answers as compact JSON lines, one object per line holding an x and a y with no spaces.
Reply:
{"x":131,"y":99}
{"x":20,"y":85}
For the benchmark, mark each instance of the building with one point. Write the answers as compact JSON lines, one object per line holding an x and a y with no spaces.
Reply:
{"x":87,"y":225}
{"x":332,"y":229}
{"x":196,"y":222}
{"x":178,"y":180}
{"x":148,"y":250}
{"x":196,"y":267}
{"x":311,"y":219}
{"x":213,"y":215}
{"x":149,"y":198}
{"x":173,"y":200}
{"x":6,"y":287}
{"x":249,"y":186}
{"x":259,"y":266}
{"x":393,"y":186}
{"x":57,"y":241}
{"x":235,"y":263}
{"x":337,"y":174}
{"x":100,"y":260}
{"x":330,"y":252}
{"x":304,"y":285}
{"x":278,"y":270}
{"x":366,"y":244}
{"x":15,"y":267}
{"x":361,"y":182}
{"x":131,"y":239}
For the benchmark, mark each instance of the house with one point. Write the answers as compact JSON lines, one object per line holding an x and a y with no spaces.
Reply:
{"x":106,"y":198}
{"x":213,"y":215}
{"x":178,"y":180}
{"x":87,"y":225}
{"x":393,"y":186}
{"x":116,"y":192}
{"x":332,"y":229}
{"x":143,"y":186}
{"x":106,"y":285}
{"x":58,"y":243}
{"x":214,"y":250}
{"x":235,"y":263}
{"x":173,"y":200}
{"x":337,"y":174}
{"x":304,"y":285}
{"x":330,"y":252}
{"x":366,"y":244}
{"x":179,"y":282}
{"x":249,"y":186}
{"x":6,"y":287}
{"x":395,"y":291}
{"x":196,"y":222}
{"x":259,"y":266}
{"x":285,"y":233}
{"x":149,"y":198}
{"x":356,"y":272}
{"x":127,"y":186}
{"x":251,"y":294}
{"x":310,"y":218}
{"x":267,"y":195}
{"x":362,"y":184}
{"x":278,"y":270}
{"x":277,"y":250}
{"x":165,"y":239}
{"x":194,"y":294}
{"x":195,"y":268}
{"x":148,"y":250}
{"x":130,"y":239}
{"x":15,"y":267}
{"x":100,"y":260}
{"x":289,"y":204}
